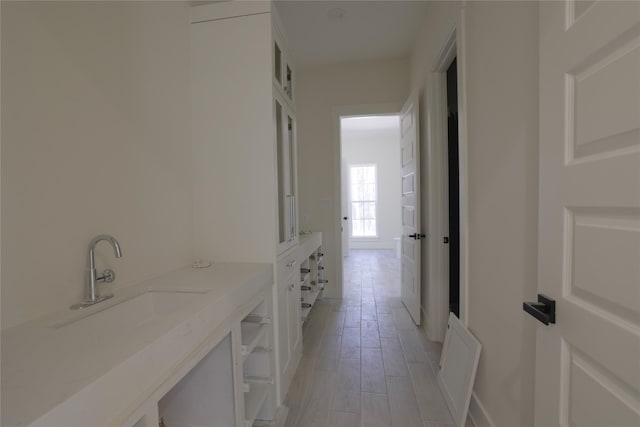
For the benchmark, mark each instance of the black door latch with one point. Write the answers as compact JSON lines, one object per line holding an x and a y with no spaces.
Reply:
{"x":544,"y":310}
{"x":417,"y":236}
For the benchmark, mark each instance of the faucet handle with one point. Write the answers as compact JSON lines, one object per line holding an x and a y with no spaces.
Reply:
{"x":107,"y":276}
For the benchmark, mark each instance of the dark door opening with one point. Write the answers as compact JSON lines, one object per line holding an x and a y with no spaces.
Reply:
{"x":454,"y":189}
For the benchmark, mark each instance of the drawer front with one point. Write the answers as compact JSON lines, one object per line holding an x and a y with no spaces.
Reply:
{"x":288,"y":263}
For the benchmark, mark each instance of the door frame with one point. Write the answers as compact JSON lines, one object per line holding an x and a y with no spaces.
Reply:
{"x":437,"y":184}
{"x":338,"y":113}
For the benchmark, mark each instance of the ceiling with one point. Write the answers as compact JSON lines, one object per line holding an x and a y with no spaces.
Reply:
{"x":370,"y":123}
{"x":327,"y":32}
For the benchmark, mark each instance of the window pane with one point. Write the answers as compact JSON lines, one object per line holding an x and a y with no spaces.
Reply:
{"x":369,"y":192}
{"x":357,"y":211}
{"x":370,"y":227}
{"x":363,"y":200}
{"x":369,"y":174}
{"x":356,"y":175}
{"x":369,"y":210}
{"x":356,"y":192}
{"x":357,"y":228}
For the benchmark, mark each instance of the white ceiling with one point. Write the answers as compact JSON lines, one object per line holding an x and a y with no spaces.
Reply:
{"x":366,"y":30}
{"x":366,"y":123}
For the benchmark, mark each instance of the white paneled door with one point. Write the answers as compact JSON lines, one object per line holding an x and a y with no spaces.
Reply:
{"x":410,"y":182}
{"x":588,"y":363}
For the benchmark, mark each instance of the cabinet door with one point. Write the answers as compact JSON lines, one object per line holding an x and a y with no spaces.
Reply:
{"x":295,"y":324}
{"x":284,"y":124}
{"x":284,"y":350}
{"x":283,"y":70}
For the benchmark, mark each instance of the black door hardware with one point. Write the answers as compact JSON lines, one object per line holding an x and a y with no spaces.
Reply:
{"x":544,"y":310}
{"x":345,"y":217}
{"x":446,"y":240}
{"x":417,"y":236}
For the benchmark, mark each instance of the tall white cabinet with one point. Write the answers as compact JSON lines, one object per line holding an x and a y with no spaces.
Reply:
{"x":244,"y":155}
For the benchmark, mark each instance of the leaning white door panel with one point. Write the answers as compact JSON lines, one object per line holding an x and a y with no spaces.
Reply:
{"x":410,"y":185}
{"x":588,"y":363}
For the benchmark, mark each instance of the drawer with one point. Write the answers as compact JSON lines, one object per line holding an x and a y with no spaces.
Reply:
{"x":288,"y":263}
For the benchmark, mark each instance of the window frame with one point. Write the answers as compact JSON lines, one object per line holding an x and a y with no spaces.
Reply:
{"x":375,"y":202}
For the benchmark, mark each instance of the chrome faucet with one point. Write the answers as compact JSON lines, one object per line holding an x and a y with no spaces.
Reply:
{"x":92,"y":293}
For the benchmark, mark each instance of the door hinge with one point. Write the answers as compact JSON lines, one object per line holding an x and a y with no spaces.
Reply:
{"x":446,"y":240}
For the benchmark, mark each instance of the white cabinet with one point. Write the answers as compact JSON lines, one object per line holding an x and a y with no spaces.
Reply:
{"x":289,"y":324}
{"x":258,"y":364}
{"x":244,"y":152}
{"x":283,"y":68}
{"x":205,"y":393}
{"x":231,"y":386}
{"x":243,"y":134}
{"x":285,"y":137}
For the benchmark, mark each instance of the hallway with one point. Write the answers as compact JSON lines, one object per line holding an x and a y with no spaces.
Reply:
{"x":364,"y":363}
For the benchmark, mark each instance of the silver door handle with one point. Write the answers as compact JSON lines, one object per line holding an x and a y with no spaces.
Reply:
{"x":294,"y":223}
{"x":291,"y":199}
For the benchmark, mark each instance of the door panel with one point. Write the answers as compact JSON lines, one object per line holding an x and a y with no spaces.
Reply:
{"x":345,"y":179}
{"x":284,"y":321}
{"x":410,"y":182}
{"x":588,"y":364}
{"x":295,"y":321}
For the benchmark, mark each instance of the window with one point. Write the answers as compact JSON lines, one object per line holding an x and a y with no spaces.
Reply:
{"x":363,"y":201}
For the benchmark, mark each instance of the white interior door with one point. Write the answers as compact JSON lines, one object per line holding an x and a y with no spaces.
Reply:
{"x":346,"y":208}
{"x":410,"y":182}
{"x":588,"y":363}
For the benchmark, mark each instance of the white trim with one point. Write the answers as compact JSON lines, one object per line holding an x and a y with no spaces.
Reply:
{"x":438,"y":305}
{"x":463,"y":155}
{"x":478,"y":414}
{"x":336,"y":114}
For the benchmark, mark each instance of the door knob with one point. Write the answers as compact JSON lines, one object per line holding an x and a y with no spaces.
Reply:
{"x":417,"y":236}
{"x":345,"y":217}
{"x":544,"y":310}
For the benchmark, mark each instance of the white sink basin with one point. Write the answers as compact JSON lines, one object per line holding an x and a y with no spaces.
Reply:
{"x":130,"y":312}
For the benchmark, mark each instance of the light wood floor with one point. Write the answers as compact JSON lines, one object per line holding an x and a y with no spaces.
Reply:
{"x":364,"y":363}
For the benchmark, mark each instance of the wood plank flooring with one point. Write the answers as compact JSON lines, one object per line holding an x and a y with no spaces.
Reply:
{"x":364,"y":362}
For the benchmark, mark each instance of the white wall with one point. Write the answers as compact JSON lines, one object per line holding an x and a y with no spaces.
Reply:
{"x":382,"y":148}
{"x":320,"y":90}
{"x":95,"y":139}
{"x":501,"y":81}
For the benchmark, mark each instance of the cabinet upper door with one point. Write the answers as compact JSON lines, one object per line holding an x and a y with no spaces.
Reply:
{"x":283,"y":68}
{"x":284,"y":125}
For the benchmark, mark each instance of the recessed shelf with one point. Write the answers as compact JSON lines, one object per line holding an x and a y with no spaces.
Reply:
{"x":253,"y":401}
{"x":256,"y":318}
{"x":258,"y":380}
{"x":251,"y":334}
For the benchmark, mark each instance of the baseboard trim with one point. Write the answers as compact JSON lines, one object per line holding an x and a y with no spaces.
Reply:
{"x":478,"y":416}
{"x":372,"y":245}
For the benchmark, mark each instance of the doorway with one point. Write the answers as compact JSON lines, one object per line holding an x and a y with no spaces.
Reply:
{"x":453,"y":186}
{"x":371,"y":198}
{"x":370,"y":159}
{"x":447,"y":277}
{"x":368,"y":154}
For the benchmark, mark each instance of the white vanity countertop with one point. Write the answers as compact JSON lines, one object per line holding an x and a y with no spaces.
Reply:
{"x":310,"y":242}
{"x":78,"y":375}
